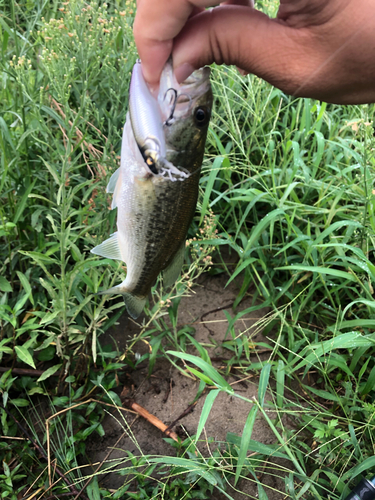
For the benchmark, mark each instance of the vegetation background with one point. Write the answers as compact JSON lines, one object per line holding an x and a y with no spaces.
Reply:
{"x":287,"y":186}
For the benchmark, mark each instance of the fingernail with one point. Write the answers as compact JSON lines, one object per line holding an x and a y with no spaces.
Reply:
{"x":183,"y":71}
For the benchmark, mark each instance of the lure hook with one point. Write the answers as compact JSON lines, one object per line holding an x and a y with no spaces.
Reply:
{"x":168,"y":120}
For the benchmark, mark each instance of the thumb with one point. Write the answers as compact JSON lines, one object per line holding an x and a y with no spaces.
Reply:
{"x":282,"y":55}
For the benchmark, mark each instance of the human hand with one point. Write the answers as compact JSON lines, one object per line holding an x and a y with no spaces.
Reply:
{"x":158,"y":22}
{"x":323,"y":49}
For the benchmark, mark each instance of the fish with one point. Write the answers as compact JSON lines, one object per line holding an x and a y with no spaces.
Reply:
{"x":155,"y":189}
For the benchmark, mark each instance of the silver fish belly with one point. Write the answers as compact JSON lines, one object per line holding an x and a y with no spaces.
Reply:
{"x":156,"y":187}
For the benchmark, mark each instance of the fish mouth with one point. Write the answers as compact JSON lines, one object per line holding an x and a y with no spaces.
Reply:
{"x":176,"y":100}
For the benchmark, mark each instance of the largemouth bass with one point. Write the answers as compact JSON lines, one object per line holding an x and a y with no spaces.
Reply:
{"x":155,"y":189}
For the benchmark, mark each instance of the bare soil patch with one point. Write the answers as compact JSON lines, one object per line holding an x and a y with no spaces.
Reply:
{"x":167,"y":393}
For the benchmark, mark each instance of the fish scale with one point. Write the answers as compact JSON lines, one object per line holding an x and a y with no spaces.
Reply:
{"x":156,"y":196}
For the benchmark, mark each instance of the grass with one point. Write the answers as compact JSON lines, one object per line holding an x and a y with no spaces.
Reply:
{"x":287,"y":186}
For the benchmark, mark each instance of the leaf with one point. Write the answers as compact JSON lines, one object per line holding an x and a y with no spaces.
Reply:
{"x":320,"y":270}
{"x":210,"y":184}
{"x":349,"y":340}
{"x":48,"y":373}
{"x":5,"y":132}
{"x":292,"y":243}
{"x":5,"y":286}
{"x":323,"y":394}
{"x":245,"y":440}
{"x":207,"y":369}
{"x":187,"y":464}
{"x":369,"y":463}
{"x":211,"y":396}
{"x":260,"y":227}
{"x":22,"y":204}
{"x":368,"y":303}
{"x":25,"y":356}
{"x":201,"y":376}
{"x":355,"y":323}
{"x":36,"y":390}
{"x":93,"y":490}
{"x":280,"y":383}
{"x":20,"y":402}
{"x":20,"y":302}
{"x":263,"y":382}
{"x":26,"y":285}
{"x":202,"y":351}
{"x":240,"y":268}
{"x":333,"y":227}
{"x":262,"y":495}
{"x":370,"y":384}
{"x":255,"y":446}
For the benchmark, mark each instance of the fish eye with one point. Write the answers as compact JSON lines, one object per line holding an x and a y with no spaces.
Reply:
{"x":150,"y":162}
{"x":201,"y":116}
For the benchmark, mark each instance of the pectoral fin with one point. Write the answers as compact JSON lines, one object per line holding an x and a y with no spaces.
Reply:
{"x":173,"y":271}
{"x":110,"y":249}
{"x":114,"y":186}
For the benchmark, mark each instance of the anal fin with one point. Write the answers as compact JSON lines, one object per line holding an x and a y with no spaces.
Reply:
{"x":134,"y":304}
{"x":110,"y":249}
{"x":173,"y":271}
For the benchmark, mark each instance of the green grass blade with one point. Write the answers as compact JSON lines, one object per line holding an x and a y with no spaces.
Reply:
{"x":280,"y":383}
{"x":207,"y":369}
{"x":370,"y":384}
{"x":210,"y":184}
{"x":245,"y":440}
{"x":351,"y":474}
{"x":211,"y":396}
{"x":350,"y":340}
{"x":22,"y":204}
{"x":244,"y":264}
{"x":255,"y":446}
{"x":260,"y":227}
{"x":320,"y":270}
{"x":263,"y":383}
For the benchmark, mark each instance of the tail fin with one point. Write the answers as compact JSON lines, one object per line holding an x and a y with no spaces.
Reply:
{"x":134,"y":304}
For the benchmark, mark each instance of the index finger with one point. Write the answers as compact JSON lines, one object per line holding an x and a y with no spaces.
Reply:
{"x":156,"y":24}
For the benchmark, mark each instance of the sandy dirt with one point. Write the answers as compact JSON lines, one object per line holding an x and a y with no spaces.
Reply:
{"x":167,"y":394}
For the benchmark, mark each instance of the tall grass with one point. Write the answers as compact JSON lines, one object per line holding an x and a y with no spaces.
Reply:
{"x":287,"y":186}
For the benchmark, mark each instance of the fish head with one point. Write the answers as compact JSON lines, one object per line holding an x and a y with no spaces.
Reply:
{"x":185,"y":111}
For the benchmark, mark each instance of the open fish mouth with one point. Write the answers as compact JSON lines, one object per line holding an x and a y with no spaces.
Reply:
{"x":153,"y":120}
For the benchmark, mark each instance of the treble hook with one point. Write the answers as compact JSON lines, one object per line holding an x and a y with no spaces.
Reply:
{"x":168,"y":120}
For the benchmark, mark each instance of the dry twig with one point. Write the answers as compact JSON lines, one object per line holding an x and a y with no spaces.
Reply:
{"x":151,"y":418}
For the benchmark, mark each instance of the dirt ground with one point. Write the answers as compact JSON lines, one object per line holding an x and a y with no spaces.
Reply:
{"x":167,"y":394}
